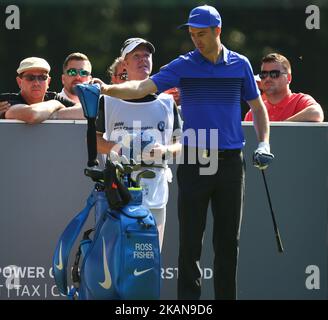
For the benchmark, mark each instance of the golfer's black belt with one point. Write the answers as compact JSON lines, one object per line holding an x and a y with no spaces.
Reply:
{"x":227,"y":153}
{"x":221,"y":153}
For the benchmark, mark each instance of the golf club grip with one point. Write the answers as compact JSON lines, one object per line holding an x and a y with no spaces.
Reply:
{"x":92,"y":143}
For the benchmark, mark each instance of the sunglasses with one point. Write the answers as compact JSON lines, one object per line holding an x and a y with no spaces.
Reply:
{"x":32,"y":77}
{"x":274,"y":74}
{"x":74,"y":72}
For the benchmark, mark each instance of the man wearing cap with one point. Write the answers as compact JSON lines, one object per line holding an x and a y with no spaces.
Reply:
{"x":147,"y":121}
{"x":76,"y":69}
{"x":34,"y":104}
{"x":282,"y":104}
{"x":212,"y":80}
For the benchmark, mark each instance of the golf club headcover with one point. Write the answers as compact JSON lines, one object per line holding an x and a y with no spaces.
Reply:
{"x":117,"y":194}
{"x":262,"y":156}
{"x":124,"y":192}
{"x":89,"y":97}
{"x":111,"y":189}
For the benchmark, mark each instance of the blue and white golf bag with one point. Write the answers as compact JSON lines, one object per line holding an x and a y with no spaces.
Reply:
{"x":122,"y":261}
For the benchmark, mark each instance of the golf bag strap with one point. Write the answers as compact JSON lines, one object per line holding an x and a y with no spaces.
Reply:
{"x":75,"y":270}
{"x":66,"y":242}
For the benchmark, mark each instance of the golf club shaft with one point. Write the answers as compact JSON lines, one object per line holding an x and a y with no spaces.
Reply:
{"x":275,"y":226}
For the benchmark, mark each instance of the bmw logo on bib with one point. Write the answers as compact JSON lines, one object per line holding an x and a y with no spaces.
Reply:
{"x":161,"y":126}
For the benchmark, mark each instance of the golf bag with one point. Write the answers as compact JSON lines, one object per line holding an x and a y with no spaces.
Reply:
{"x":122,"y":261}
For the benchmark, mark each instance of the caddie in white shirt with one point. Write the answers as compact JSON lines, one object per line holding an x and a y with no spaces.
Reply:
{"x":153,"y":121}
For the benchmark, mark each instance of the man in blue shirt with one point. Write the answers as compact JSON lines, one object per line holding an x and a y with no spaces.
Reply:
{"x":212,"y":81}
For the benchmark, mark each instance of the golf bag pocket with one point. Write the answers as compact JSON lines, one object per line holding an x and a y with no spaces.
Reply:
{"x":140,"y":267}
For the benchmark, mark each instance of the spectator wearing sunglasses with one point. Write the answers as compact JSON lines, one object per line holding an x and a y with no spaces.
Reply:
{"x":34,"y":104}
{"x":76,"y":69}
{"x":282,"y":104}
{"x":117,"y":72}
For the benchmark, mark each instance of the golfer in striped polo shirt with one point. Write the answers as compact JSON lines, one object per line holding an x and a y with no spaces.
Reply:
{"x":212,"y":80}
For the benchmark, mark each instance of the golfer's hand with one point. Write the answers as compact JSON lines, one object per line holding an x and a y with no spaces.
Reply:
{"x":102,"y":84}
{"x":262,"y":156}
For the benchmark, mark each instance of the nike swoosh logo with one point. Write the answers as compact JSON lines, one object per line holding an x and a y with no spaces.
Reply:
{"x":60,"y":265}
{"x":139,"y":273}
{"x":194,"y":15}
{"x":108,"y":280}
{"x":132,"y":210}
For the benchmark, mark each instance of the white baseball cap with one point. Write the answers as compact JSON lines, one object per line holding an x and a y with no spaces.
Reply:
{"x":130,"y":44}
{"x":33,"y":63}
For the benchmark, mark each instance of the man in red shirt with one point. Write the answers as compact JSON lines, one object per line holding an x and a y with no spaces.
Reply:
{"x":281,"y":103}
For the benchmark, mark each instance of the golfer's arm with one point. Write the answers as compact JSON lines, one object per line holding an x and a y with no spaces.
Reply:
{"x":130,"y":89}
{"x":260,"y":119}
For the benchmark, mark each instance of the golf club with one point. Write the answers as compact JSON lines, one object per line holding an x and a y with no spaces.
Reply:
{"x":94,"y":174}
{"x":275,"y":226}
{"x":146,"y":174}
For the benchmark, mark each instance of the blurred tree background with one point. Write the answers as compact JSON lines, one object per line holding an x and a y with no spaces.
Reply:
{"x":52,"y":29}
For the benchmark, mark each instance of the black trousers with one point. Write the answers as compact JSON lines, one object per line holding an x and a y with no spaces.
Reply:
{"x":225,"y":191}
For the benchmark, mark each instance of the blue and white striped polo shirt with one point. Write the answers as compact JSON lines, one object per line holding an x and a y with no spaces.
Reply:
{"x":211,"y":95}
